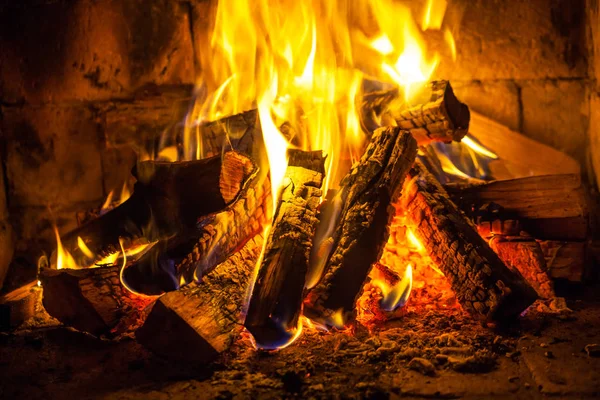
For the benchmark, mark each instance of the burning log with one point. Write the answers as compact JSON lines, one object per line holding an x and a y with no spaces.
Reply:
{"x":441,"y":117}
{"x":169,"y":198}
{"x":368,"y":191}
{"x":525,"y":255}
{"x":200,"y":321}
{"x":548,"y":207}
{"x":482,"y":283}
{"x":276,"y":301}
{"x":92,"y":300}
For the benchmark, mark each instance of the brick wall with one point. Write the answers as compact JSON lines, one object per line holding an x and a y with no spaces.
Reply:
{"x":78,"y":78}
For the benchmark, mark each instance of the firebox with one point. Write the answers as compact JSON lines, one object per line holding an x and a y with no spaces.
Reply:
{"x":310,"y":199}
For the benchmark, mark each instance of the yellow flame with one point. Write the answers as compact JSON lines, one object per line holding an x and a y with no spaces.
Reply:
{"x":434,"y":14}
{"x":449,"y":38}
{"x":39,"y":283}
{"x":412,"y":239}
{"x":337,"y":319}
{"x":479,"y":149}
{"x":108,"y":202}
{"x":63,"y":257}
{"x":397,"y":295}
{"x":84,"y":249}
{"x":383,"y":45}
{"x":168,"y":154}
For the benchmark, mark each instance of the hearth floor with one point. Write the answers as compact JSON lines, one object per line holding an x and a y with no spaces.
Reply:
{"x":431,"y":353}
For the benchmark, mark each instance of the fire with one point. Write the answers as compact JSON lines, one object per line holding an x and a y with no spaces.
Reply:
{"x":111,"y":203}
{"x":63,"y":257}
{"x":395,"y":296}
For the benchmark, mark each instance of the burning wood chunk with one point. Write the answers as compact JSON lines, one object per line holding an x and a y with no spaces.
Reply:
{"x":200,"y":321}
{"x":442,"y":117}
{"x":483,"y":284}
{"x":548,"y":207}
{"x":92,"y":300}
{"x":367,"y":194}
{"x":276,"y":302}
{"x":525,"y":255}
{"x":169,"y":198}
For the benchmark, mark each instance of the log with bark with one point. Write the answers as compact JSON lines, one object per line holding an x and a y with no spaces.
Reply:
{"x":482,"y":283}
{"x":200,"y":321}
{"x":367,"y":195}
{"x":92,"y":300}
{"x":168,"y":199}
{"x":553,"y":207}
{"x":276,"y":302}
{"x":18,"y":305}
{"x":440,"y":117}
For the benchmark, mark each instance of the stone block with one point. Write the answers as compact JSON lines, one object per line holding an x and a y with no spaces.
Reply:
{"x":91,"y":49}
{"x":117,"y":163}
{"x":594,"y":135}
{"x":52,"y":156}
{"x":519,"y":39}
{"x":557,"y":113}
{"x":146,"y":115}
{"x":593,"y":7}
{"x":498,"y":100}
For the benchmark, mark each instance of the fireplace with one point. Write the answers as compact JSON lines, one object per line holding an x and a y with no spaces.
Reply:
{"x":324,"y":199}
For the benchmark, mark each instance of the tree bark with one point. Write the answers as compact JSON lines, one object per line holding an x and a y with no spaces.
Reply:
{"x":367,"y":195}
{"x":276,"y":301}
{"x":483,"y":285}
{"x":200,"y":321}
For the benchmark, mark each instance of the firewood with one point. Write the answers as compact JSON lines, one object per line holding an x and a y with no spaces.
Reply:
{"x":367,"y":194}
{"x":548,"y":207}
{"x":483,"y":285}
{"x":441,"y":117}
{"x":168,"y":198}
{"x":92,"y":300}
{"x":515,"y":150}
{"x":565,"y":260}
{"x":201,"y":320}
{"x":18,"y":305}
{"x":525,"y":255}
{"x":276,"y":301}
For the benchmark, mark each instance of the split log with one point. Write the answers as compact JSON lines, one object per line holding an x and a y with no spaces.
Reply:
{"x":18,"y":305}
{"x":168,"y":198}
{"x":565,"y":260}
{"x":548,"y":207}
{"x":92,"y":300}
{"x":200,"y":321}
{"x":276,"y":301}
{"x":482,"y":283}
{"x":515,"y":150}
{"x":525,"y":255}
{"x":441,"y":117}
{"x":367,"y":195}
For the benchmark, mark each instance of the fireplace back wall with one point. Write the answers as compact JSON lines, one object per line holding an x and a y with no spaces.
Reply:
{"x":84,"y":83}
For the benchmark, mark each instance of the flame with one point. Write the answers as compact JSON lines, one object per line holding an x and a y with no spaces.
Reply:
{"x":479,"y":149}
{"x":84,"y":249}
{"x":108,"y":202}
{"x":449,"y":38}
{"x":63,"y":257}
{"x":434,"y":14}
{"x":395,"y":296}
{"x":412,"y":239}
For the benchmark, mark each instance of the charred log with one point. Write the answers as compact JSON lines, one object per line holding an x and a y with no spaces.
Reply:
{"x":200,"y":321}
{"x":92,"y":300}
{"x":441,"y":117}
{"x":169,"y":198}
{"x":276,"y":302}
{"x":367,"y":195}
{"x":565,"y":260}
{"x":483,"y":284}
